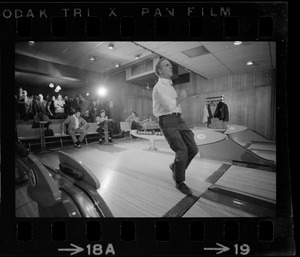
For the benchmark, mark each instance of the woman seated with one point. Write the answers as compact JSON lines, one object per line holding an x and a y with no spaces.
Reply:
{"x":134,"y":121}
{"x":103,"y":121}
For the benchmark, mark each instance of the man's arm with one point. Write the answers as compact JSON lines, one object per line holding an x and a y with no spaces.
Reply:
{"x":66,"y":121}
{"x":84,"y":123}
{"x":181,"y":97}
{"x":166,"y":101}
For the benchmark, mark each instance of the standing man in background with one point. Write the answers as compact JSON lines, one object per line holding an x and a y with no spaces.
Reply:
{"x":166,"y":106}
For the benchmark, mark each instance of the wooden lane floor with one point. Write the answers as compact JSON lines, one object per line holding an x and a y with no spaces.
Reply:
{"x":239,"y":192}
{"x":136,"y":182}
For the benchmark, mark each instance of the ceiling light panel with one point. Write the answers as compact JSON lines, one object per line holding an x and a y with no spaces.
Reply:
{"x":195,"y":52}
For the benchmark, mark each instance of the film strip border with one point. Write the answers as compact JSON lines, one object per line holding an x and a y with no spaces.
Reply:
{"x":145,"y":21}
{"x":149,"y":21}
{"x":146,"y":237}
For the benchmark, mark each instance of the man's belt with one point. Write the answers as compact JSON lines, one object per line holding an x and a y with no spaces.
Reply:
{"x":177,"y":114}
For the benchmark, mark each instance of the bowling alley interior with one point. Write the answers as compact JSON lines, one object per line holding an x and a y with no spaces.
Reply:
{"x":119,"y":163}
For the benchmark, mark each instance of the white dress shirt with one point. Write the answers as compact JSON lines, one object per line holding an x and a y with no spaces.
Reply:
{"x":164,"y":98}
{"x":76,"y":121}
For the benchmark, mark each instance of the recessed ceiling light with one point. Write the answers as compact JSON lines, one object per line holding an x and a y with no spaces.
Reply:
{"x":31,"y":43}
{"x":117,"y":65}
{"x":237,"y":43}
{"x":92,"y":58}
{"x":137,"y":56}
{"x":250,"y":63}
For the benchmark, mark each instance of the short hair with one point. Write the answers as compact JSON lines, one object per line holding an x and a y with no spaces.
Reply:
{"x":102,"y":111}
{"x":158,"y":65}
{"x":135,"y":113}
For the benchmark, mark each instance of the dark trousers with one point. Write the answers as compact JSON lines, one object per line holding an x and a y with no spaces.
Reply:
{"x":182,"y":142}
{"x":135,"y":125}
{"x":101,"y":132}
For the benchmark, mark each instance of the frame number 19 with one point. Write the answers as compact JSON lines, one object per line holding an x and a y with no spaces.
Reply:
{"x":243,"y":249}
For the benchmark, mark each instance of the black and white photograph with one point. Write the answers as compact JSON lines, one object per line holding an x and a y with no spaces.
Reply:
{"x":145,"y":129}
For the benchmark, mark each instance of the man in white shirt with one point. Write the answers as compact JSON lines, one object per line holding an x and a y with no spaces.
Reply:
{"x":166,"y":106}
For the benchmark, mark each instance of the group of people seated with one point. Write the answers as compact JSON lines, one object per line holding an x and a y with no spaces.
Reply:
{"x":77,"y":113}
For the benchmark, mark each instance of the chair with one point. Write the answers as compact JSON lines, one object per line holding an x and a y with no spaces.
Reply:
{"x":125,"y":126}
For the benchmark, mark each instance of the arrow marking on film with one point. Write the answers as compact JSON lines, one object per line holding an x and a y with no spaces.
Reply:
{"x":75,"y":250}
{"x":222,"y":248}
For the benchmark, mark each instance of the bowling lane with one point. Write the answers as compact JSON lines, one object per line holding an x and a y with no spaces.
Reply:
{"x":239,"y":192}
{"x":256,"y":183}
{"x":137,"y":182}
{"x":207,"y":208}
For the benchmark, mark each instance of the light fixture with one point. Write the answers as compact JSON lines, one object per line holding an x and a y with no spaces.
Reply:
{"x":250,"y":63}
{"x":58,"y":87}
{"x":117,"y":65}
{"x":236,"y":43}
{"x":102,"y":91}
{"x":111,"y":46}
{"x":31,"y":43}
{"x":51,"y":85}
{"x":137,"y":56}
{"x":92,"y":58}
{"x":87,"y":94}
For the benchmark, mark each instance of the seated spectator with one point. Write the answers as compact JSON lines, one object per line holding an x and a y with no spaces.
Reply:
{"x":59,"y":104}
{"x":134,"y":121}
{"x":76,"y":125}
{"x":40,"y":116}
{"x":101,"y":122}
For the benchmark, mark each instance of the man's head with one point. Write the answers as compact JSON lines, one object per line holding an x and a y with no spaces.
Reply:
{"x":134,"y":113}
{"x":102,"y":113}
{"x":41,"y":97}
{"x":77,"y":113}
{"x":164,"y":69}
{"x":81,"y":97}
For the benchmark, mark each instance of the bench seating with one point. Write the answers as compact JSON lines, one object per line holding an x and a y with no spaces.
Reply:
{"x":31,"y":136}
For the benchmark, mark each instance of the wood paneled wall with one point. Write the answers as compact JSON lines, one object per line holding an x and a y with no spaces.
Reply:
{"x":128,"y":97}
{"x":249,"y":98}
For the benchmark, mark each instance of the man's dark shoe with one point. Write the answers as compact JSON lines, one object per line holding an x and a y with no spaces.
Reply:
{"x":100,"y":141}
{"x":172,"y":169}
{"x":77,"y":144}
{"x":183,"y":188}
{"x":110,"y":140}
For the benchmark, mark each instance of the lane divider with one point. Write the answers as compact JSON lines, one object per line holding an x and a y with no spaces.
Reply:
{"x":218,"y":174}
